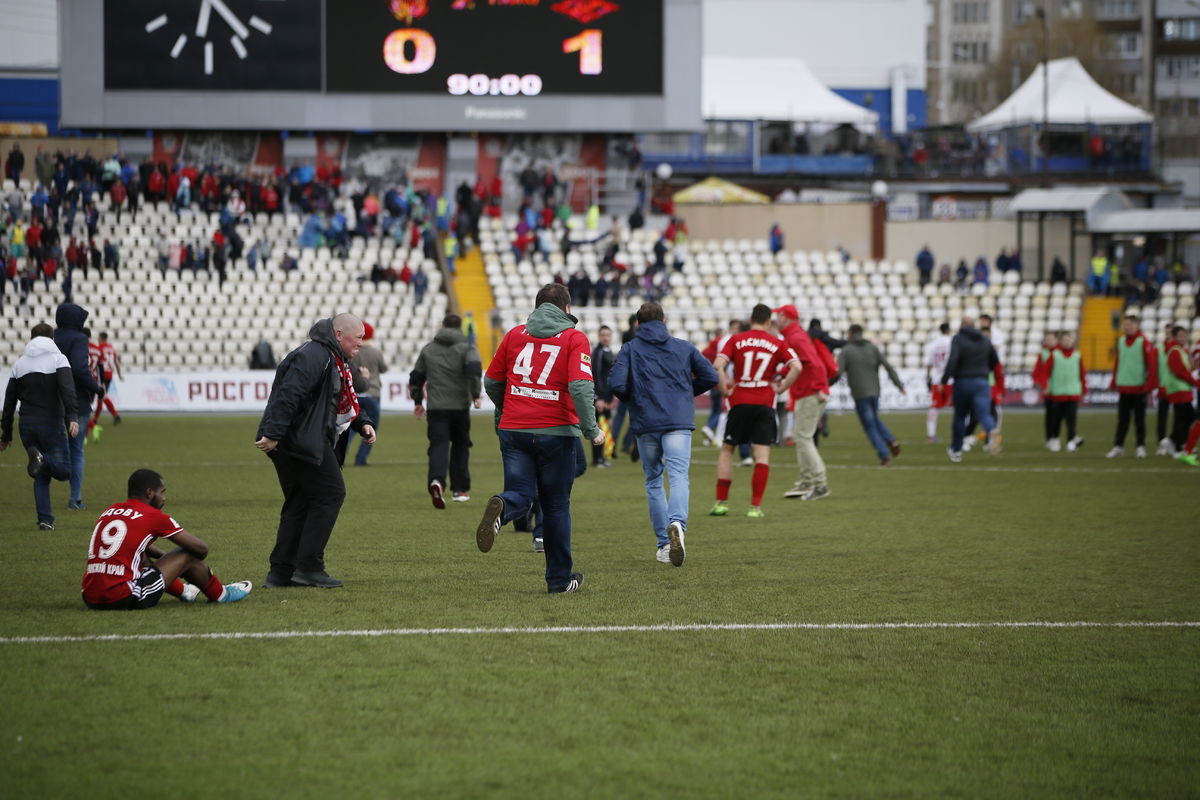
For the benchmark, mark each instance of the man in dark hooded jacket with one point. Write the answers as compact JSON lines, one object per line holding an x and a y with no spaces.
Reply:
{"x":312,"y":402}
{"x":73,"y":343}
{"x":660,"y":377}
{"x":972,"y":359}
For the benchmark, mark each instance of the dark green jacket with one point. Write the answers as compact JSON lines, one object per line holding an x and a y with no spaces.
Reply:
{"x":447,"y":374}
{"x":860,"y":361}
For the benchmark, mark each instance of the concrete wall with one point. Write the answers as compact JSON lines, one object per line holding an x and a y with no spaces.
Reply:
{"x":99,"y":148}
{"x":824,"y":226}
{"x":805,"y":226}
{"x":951,"y":240}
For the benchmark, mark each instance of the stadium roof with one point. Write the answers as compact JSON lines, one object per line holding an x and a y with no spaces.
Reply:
{"x":1107,"y":210}
{"x":1148,"y":220}
{"x":1074,"y":99}
{"x":774,"y":89}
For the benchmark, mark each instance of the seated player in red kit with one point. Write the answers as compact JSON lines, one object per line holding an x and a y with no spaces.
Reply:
{"x":117,"y":576}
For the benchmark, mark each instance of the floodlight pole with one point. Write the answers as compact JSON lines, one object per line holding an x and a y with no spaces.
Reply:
{"x":1045,"y":148}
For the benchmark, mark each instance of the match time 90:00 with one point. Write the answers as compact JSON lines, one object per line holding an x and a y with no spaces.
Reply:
{"x":506,"y":85}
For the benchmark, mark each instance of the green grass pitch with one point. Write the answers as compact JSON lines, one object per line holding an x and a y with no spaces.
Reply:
{"x":792,"y":712}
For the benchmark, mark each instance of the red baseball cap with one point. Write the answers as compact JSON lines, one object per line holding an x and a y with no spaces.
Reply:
{"x":368,"y":331}
{"x":788,"y":311}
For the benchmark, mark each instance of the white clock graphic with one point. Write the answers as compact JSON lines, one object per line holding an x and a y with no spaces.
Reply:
{"x":241,"y":30}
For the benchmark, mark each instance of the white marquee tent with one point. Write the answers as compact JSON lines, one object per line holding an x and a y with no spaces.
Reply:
{"x":1074,"y":99}
{"x":777,"y":90}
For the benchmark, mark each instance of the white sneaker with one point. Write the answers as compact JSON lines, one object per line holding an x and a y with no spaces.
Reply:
{"x":968,"y":443}
{"x":1116,"y":452}
{"x":748,"y":461}
{"x":1054,"y":445}
{"x":709,"y":436}
{"x":1074,"y":444}
{"x":1140,"y":452}
{"x":675,"y":551}
{"x":663,"y":556}
{"x":461,"y":497}
{"x":190,"y":592}
{"x":955,"y":455}
{"x":798,"y":490}
{"x":1165,"y":447}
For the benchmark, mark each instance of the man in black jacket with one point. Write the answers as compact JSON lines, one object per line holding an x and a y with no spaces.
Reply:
{"x":41,"y":380}
{"x":602,"y":363}
{"x":972,"y":359}
{"x":72,"y":342}
{"x":312,"y":403}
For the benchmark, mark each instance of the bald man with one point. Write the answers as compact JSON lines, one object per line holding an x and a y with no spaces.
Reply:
{"x":312,"y":403}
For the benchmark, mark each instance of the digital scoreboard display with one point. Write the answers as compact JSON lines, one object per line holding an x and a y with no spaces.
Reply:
{"x":496,"y":47}
{"x":381,"y":65}
{"x":465,"y":48}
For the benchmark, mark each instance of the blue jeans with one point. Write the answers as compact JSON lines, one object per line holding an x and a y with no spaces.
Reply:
{"x":76,"y":446}
{"x":542,"y":468}
{"x":50,"y":437}
{"x":535,"y":510}
{"x":868,"y":414}
{"x":1098,"y":284}
{"x":370,"y":409}
{"x":673,"y":450}
{"x":971,"y":394}
{"x":618,"y":420}
{"x":714,"y":416}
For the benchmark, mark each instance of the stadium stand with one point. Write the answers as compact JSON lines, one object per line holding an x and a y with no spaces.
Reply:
{"x":186,"y":320}
{"x":722,"y":279}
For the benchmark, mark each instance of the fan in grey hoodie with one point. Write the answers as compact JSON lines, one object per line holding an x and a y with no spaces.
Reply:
{"x":41,"y":381}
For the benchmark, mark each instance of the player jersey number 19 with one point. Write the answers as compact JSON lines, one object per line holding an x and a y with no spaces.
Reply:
{"x":111,"y":536}
{"x":523,"y":363}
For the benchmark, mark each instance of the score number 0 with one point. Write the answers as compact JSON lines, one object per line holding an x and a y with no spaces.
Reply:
{"x":589,"y":44}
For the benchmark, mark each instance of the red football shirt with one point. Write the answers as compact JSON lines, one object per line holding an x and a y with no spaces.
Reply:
{"x":537,"y":373}
{"x":95,"y":356}
{"x":756,"y":356}
{"x":122,"y":534}
{"x":108,"y":358}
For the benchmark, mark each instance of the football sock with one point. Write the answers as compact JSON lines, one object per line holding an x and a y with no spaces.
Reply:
{"x":758,"y":484}
{"x":213,"y":588}
{"x":109,"y":405}
{"x":175,"y":588}
{"x":1193,"y":438}
{"x":723,"y":489}
{"x":931,"y":423}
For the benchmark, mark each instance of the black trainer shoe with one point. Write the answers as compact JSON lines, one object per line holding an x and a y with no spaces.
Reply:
{"x":573,"y":585}
{"x":36,"y":460}
{"x":274,"y":581}
{"x":322,"y":579}
{"x":45,"y":526}
{"x":539,"y":546}
{"x":489,"y":526}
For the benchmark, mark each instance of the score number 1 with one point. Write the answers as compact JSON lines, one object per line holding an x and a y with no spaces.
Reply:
{"x":589,"y":44}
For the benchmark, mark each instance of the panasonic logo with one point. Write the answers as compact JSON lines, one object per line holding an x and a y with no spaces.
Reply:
{"x":475,"y":112}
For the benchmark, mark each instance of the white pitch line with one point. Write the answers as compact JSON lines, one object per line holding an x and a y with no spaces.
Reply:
{"x":156,"y":23}
{"x":681,"y":628}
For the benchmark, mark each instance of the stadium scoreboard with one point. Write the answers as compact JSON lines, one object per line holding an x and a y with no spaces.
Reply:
{"x":591,"y":65}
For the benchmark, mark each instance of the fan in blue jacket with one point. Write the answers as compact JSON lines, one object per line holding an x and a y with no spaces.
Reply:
{"x":73,"y":343}
{"x":660,"y":376}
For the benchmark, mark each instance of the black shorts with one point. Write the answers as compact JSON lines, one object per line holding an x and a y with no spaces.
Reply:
{"x":750,"y":424}
{"x":147,"y":591}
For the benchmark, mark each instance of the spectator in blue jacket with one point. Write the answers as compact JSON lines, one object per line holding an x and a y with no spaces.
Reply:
{"x":660,"y":376}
